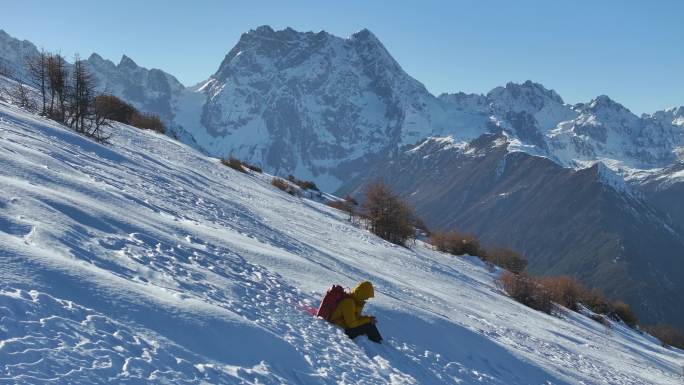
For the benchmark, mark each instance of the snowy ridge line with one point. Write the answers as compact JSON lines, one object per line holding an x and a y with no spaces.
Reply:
{"x":147,"y":261}
{"x":320,"y":85}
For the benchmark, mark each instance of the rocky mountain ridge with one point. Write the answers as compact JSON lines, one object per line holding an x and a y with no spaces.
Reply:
{"x":322,"y":106}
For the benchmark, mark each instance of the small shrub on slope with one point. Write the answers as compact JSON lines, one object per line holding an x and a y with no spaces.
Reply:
{"x":667,"y":334}
{"x":457,"y":243}
{"x":304,"y":184}
{"x":148,"y":122}
{"x":283,"y":185}
{"x":506,"y":259}
{"x":564,"y":291}
{"x":252,"y":167}
{"x":348,"y":205}
{"x":526,"y":290}
{"x":234,"y":163}
{"x":624,"y":313}
{"x":5,"y":71}
{"x":112,"y":108}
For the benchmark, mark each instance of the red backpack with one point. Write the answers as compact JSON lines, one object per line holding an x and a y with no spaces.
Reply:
{"x":332,"y":297}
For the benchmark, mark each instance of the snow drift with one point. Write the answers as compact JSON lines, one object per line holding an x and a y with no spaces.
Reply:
{"x":144,"y":261}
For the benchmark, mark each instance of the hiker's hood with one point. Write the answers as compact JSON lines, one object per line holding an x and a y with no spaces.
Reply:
{"x":363,"y":291}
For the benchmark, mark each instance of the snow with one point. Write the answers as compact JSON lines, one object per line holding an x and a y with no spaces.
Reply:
{"x":314,"y":104}
{"x":144,"y":261}
{"x":609,"y":178}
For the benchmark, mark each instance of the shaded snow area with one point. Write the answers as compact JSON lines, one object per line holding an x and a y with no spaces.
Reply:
{"x":144,"y":261}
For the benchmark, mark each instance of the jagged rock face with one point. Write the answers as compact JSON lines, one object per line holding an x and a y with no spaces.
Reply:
{"x":605,"y":129}
{"x":13,"y":53}
{"x":664,"y":189}
{"x":544,"y":107}
{"x":324,"y":107}
{"x":312,"y":101}
{"x":587,"y":223}
{"x":524,"y":111}
{"x":150,"y":90}
{"x":674,"y":115}
{"x":577,"y":136}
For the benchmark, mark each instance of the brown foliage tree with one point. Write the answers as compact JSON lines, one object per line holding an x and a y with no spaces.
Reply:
{"x":253,"y":167}
{"x":564,"y":291}
{"x":304,"y":184}
{"x":624,"y":313}
{"x":148,"y":122}
{"x":114,"y":108}
{"x":506,"y":259}
{"x":283,"y":185}
{"x":234,"y":163}
{"x":457,"y":243}
{"x":667,"y":334}
{"x":526,"y":290}
{"x":388,"y":216}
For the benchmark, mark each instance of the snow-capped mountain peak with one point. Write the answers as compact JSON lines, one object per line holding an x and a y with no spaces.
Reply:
{"x":13,"y":53}
{"x":672,"y":115}
{"x":321,"y":106}
{"x":528,"y":96}
{"x":610,"y":178}
{"x":312,"y":102}
{"x":127,"y":63}
{"x":604,"y":105}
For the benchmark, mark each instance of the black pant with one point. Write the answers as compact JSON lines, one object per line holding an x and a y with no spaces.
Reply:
{"x":368,"y":330}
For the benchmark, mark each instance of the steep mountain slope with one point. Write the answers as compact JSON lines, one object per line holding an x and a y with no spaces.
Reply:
{"x":313,"y":103}
{"x":324,"y":107}
{"x":150,"y":90}
{"x":13,"y":53}
{"x":331,"y":109}
{"x":586,"y":223}
{"x":664,"y":189}
{"x":146,"y":262}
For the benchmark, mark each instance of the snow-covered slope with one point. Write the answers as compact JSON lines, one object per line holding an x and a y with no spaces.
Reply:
{"x":145,"y":261}
{"x":585,"y":223}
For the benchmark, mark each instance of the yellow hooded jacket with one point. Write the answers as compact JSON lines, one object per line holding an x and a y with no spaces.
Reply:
{"x":347,"y":314}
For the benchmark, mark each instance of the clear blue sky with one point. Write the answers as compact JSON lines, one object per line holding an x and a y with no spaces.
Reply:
{"x":630,"y":50}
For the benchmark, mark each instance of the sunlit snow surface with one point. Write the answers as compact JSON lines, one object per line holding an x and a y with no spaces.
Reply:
{"x":145,"y":262}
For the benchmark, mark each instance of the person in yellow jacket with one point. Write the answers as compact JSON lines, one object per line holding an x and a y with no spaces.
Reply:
{"x":348,"y":315}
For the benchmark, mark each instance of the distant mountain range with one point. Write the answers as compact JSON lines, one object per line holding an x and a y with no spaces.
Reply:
{"x":586,"y":223}
{"x":589,"y":189}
